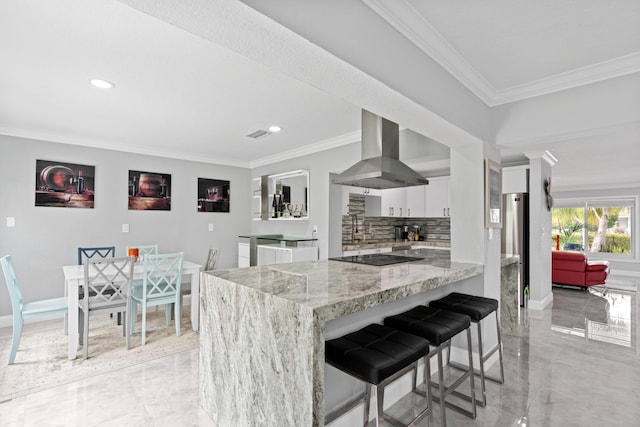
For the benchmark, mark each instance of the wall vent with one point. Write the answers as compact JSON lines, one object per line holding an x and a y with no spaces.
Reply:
{"x":258,"y":134}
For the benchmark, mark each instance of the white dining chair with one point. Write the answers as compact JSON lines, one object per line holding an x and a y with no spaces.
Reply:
{"x":106,"y":287}
{"x":160,"y":286}
{"x":23,"y":310}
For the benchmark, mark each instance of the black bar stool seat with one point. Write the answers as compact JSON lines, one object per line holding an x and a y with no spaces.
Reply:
{"x":438,"y":327}
{"x":377,"y":355}
{"x":477,"y":308}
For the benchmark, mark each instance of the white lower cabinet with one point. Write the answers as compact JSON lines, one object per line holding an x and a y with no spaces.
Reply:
{"x":243,"y":255}
{"x":276,"y":254}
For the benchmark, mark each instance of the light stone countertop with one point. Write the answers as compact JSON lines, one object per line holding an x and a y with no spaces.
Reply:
{"x":334,"y":288}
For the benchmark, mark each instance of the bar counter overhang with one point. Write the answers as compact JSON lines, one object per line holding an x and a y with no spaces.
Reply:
{"x":262,"y":330}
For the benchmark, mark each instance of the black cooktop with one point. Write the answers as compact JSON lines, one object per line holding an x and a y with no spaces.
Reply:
{"x":377,"y":259}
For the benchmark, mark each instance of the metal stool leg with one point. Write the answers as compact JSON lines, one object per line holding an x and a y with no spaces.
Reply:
{"x":367,"y":405}
{"x":445,"y":391}
{"x":443,"y":405}
{"x":481,"y":359}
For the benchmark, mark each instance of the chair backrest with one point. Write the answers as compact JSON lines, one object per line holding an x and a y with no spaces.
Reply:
{"x":162,"y":275}
{"x":106,"y":282}
{"x":212,"y":259}
{"x":145,"y":250}
{"x":98,"y":252}
{"x":12,"y":284}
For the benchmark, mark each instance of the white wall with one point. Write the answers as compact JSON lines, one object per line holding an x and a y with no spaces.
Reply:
{"x":45,"y":238}
{"x":539,"y":236}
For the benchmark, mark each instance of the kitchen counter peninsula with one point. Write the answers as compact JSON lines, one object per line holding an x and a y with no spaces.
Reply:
{"x":262,"y":330}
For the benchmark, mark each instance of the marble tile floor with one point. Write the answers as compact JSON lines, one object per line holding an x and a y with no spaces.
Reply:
{"x":576,"y":364}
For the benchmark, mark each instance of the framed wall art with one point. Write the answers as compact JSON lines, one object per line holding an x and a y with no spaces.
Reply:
{"x":66,"y":185}
{"x":149,"y":191}
{"x":492,"y":194}
{"x":213,"y":195}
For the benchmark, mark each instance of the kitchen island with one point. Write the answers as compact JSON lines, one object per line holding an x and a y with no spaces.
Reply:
{"x":263,"y":330}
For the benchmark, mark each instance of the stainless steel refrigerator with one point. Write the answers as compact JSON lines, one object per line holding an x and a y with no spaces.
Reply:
{"x":515,"y":234}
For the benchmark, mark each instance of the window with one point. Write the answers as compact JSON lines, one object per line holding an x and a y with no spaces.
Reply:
{"x":595,"y":226}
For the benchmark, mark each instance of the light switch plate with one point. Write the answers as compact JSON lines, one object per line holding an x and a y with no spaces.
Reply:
{"x":11,"y":221}
{"x":210,"y":227}
{"x":125,"y":228}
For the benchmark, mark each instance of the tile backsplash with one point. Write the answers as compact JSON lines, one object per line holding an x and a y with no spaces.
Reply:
{"x":377,"y":229}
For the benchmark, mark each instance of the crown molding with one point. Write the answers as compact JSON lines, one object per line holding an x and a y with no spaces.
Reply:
{"x":412,"y":24}
{"x":327,"y":144}
{"x":111,"y":146}
{"x":544,"y":155}
{"x":594,"y":73}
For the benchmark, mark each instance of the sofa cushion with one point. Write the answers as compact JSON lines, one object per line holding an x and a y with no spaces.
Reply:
{"x":568,"y":261}
{"x":597,"y":265}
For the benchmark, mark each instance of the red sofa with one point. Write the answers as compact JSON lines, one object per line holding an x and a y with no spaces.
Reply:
{"x":572,"y":268}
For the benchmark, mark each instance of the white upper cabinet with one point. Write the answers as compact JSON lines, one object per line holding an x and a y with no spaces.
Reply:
{"x":437,"y":197}
{"x":416,"y":201}
{"x":515,"y":179}
{"x":394,"y":202}
{"x":406,"y":202}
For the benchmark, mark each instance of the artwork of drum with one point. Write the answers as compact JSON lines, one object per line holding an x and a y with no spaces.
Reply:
{"x":150,"y":185}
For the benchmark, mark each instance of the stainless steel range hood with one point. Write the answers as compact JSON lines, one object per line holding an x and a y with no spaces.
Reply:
{"x":380,"y":166}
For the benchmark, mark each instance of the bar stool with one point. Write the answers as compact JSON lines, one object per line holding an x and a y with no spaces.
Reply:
{"x":439,"y":326}
{"x":377,"y":355}
{"x":477,"y":308}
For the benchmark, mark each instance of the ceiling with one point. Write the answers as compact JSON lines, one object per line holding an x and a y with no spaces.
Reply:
{"x":180,"y":95}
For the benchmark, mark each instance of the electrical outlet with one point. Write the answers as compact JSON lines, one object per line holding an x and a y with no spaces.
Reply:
{"x":315,"y":228}
{"x":210,"y":227}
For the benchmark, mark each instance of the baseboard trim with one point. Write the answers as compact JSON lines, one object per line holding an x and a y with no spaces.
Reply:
{"x":541,"y":304}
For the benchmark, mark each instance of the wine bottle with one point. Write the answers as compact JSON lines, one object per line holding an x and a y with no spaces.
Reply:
{"x":80,"y":183}
{"x":274,"y":205}
{"x":163,"y":188}
{"x":280,"y":206}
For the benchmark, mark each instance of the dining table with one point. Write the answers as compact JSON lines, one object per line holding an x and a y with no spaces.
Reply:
{"x":74,"y":278}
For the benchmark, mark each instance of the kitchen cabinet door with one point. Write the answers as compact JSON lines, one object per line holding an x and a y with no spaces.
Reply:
{"x":416,"y":201}
{"x":437,"y":198}
{"x":243,"y":255}
{"x":394,"y":202}
{"x":268,"y":255}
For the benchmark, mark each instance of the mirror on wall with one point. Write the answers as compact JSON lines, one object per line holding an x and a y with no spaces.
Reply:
{"x":282,"y":196}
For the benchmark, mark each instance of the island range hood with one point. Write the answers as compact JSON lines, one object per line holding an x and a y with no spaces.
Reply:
{"x":380,"y":167}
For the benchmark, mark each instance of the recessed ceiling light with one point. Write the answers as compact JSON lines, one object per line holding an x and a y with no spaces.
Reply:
{"x":102,"y":84}
{"x":275,"y":128}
